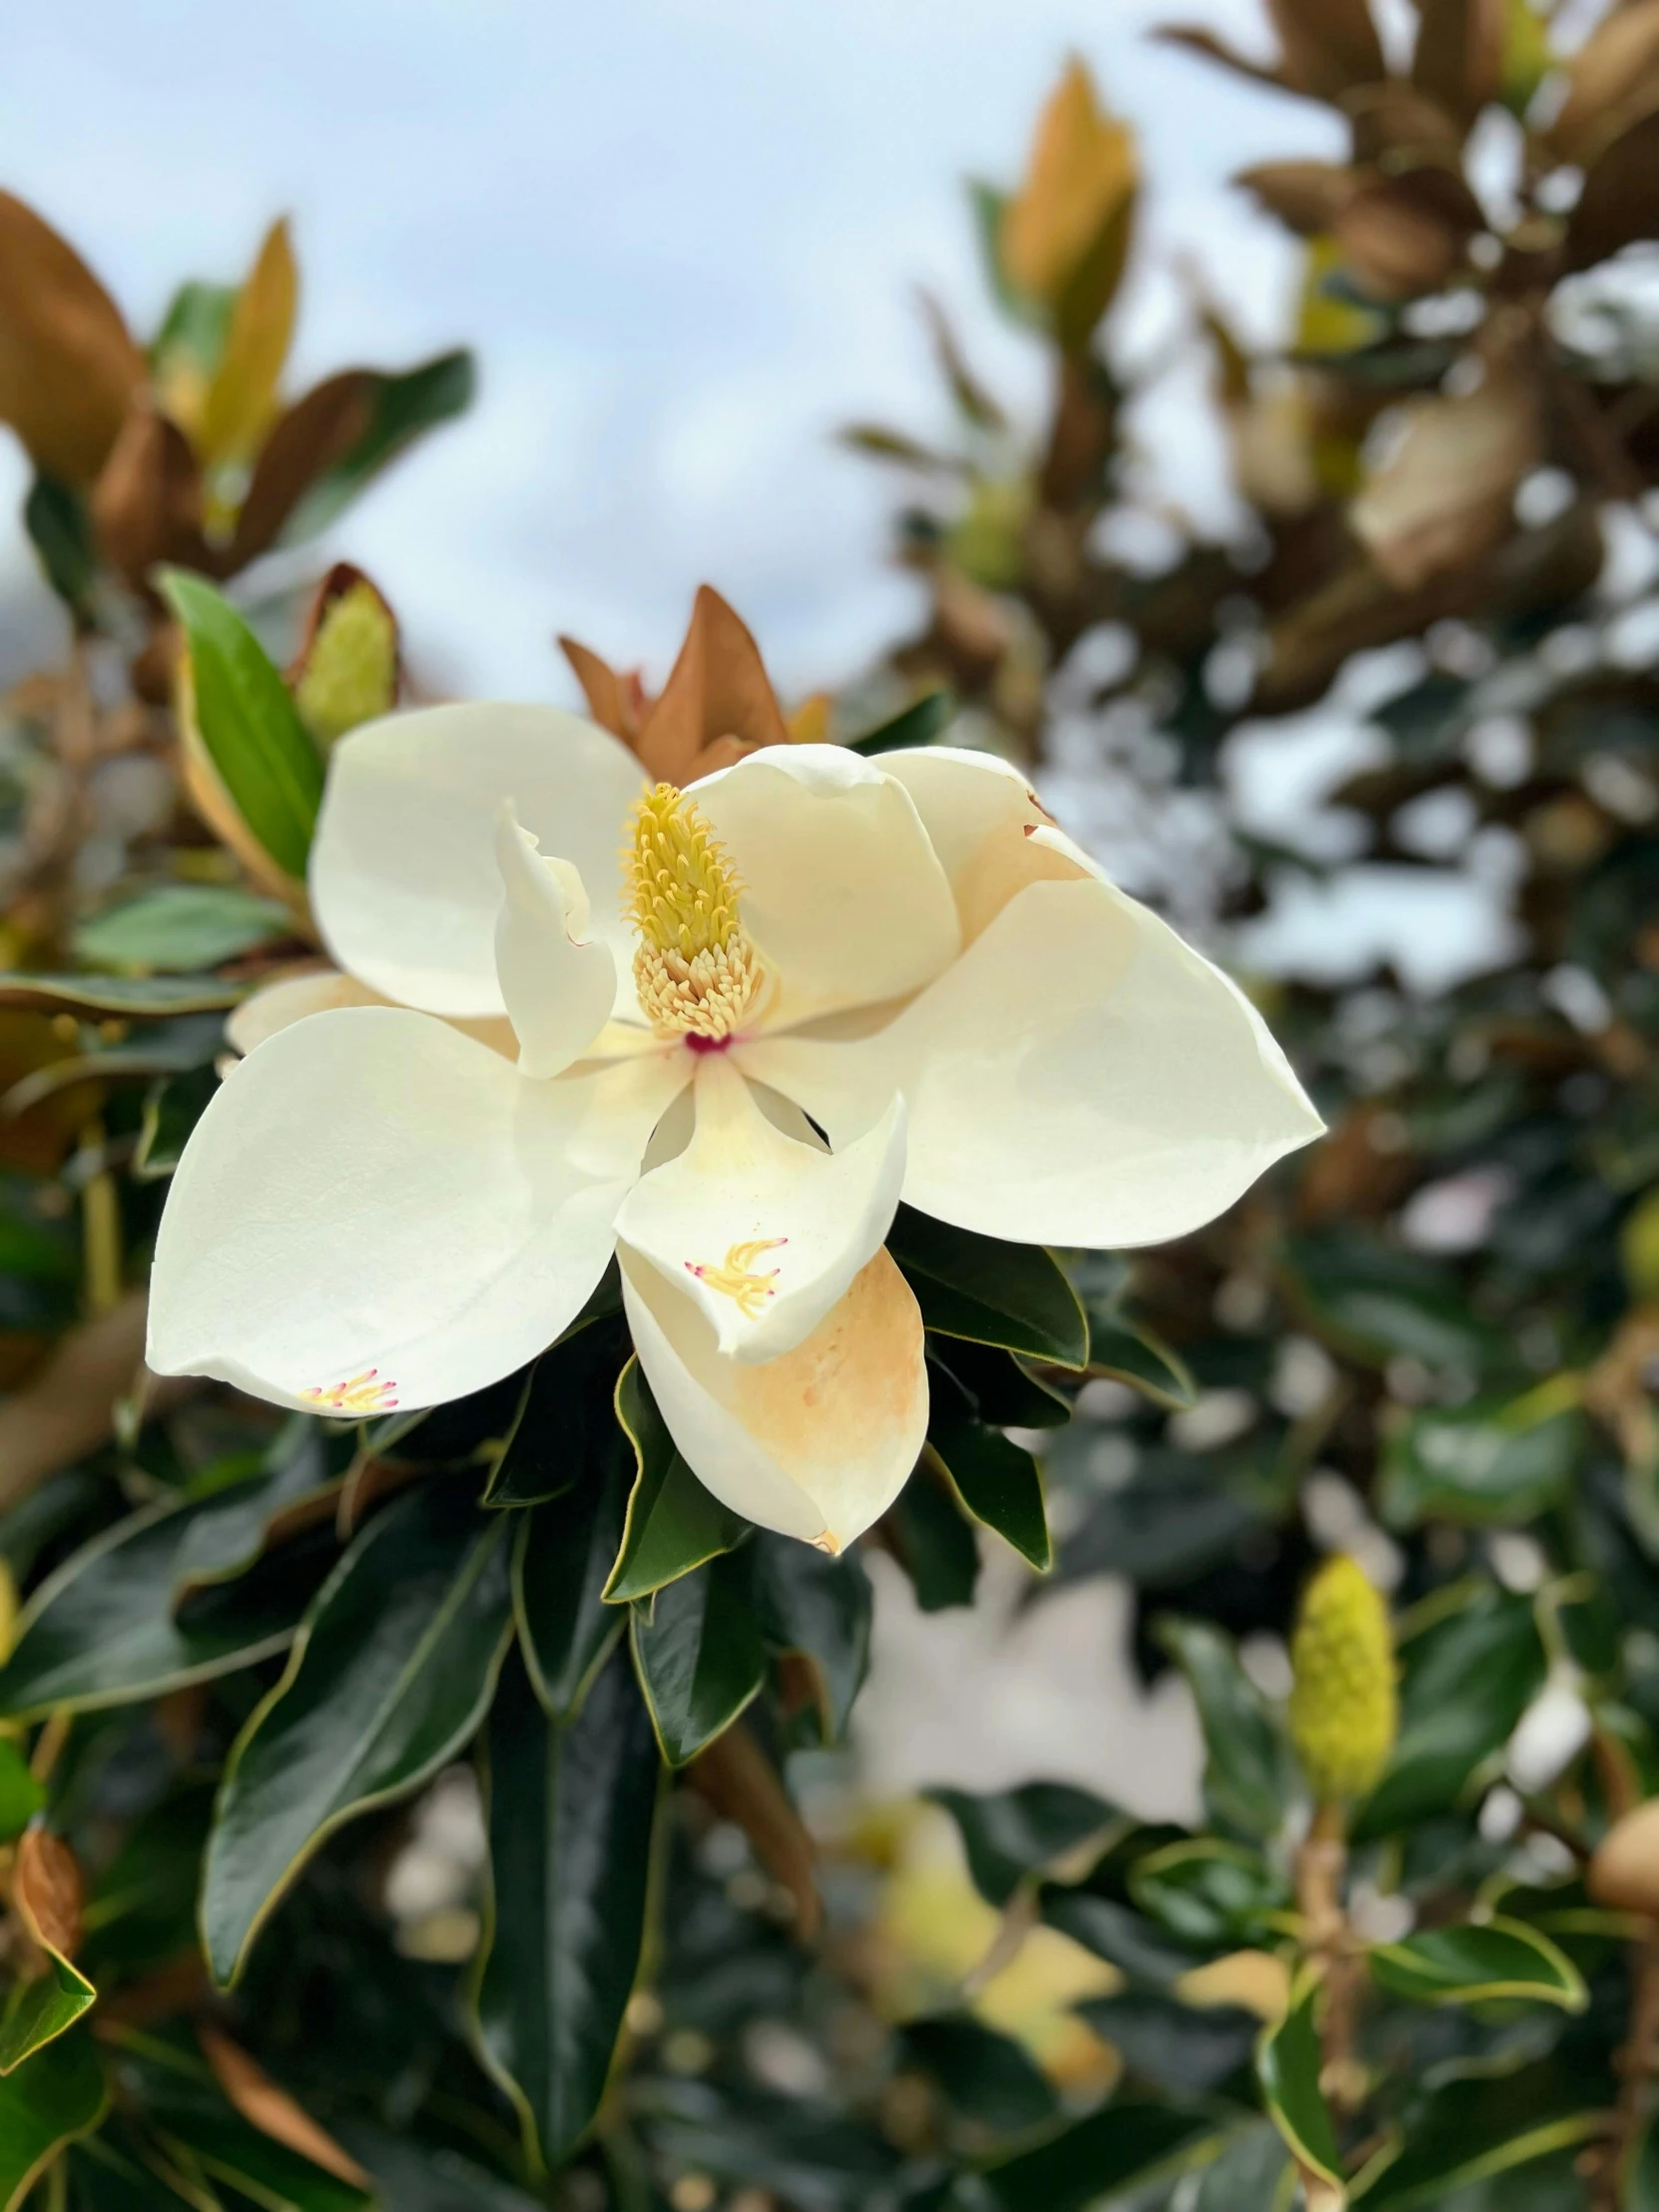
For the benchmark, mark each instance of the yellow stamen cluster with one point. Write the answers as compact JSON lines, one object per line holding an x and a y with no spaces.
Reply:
{"x":695,"y":970}
{"x":1343,"y":1707}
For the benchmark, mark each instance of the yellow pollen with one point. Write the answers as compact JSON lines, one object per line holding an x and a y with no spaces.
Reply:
{"x":696,"y":970}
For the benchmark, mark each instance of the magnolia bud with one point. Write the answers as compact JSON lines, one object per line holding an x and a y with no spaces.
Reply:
{"x":1624,"y":1873}
{"x":1343,"y":1711}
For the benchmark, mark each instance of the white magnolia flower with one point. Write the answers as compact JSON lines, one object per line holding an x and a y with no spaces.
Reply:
{"x":534,"y":1057}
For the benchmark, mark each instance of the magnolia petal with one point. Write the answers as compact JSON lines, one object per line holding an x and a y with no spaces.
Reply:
{"x":405,"y":878}
{"x":841,"y":890}
{"x":765,"y":1231}
{"x":559,"y":984}
{"x":991,"y":832}
{"x":816,"y":1444}
{"x":375,"y":1208}
{"x":294,"y":996}
{"x":1079,"y":1077}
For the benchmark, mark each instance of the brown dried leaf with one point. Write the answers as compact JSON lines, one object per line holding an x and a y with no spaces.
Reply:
{"x":1458,"y":63}
{"x":68,"y":369}
{"x":1199,"y":40}
{"x":738,"y":1782}
{"x":1621,"y":200}
{"x":975,"y":402}
{"x":1445,"y":495}
{"x":1612,"y":82}
{"x":47,"y":1891}
{"x":1307,"y":196}
{"x":1065,"y":234}
{"x":1404,"y":236}
{"x":616,"y":701}
{"x":146,"y":503}
{"x":272,"y":2111}
{"x":70,"y":1406}
{"x":243,"y":395}
{"x":1330,"y":46}
{"x":1393,"y":123}
{"x":718,"y":702}
{"x":316,"y":432}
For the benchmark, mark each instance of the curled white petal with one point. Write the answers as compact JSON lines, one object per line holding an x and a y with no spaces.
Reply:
{"x":765,"y":1231}
{"x":1079,"y":1077}
{"x":989,"y":828}
{"x":373,"y":1192}
{"x":816,"y":1444}
{"x":404,"y":875}
{"x":557,"y":983}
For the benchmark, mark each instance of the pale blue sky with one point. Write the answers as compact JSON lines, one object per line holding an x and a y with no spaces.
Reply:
{"x":682,"y":234}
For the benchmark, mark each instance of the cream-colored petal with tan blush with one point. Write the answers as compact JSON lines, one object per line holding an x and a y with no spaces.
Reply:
{"x":816,"y":1444}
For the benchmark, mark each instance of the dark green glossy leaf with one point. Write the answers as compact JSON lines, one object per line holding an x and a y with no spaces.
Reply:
{"x":1178,"y":2047}
{"x":924,"y":722}
{"x":249,"y":724}
{"x":102,"y":1630}
{"x":1011,"y":1835}
{"x":567,"y":1424}
{"x":126,"y":995}
{"x":1470,"y":1964}
{"x":1376,"y":1301}
{"x":1210,"y":1891}
{"x":21,"y":1795}
{"x":1480,"y":2124}
{"x":990,"y":1292}
{"x":390,"y":1674}
{"x":994,"y":1386}
{"x":674,"y":1523}
{"x":1466,"y":1681}
{"x":416,"y":2177}
{"x":60,"y":530}
{"x":998,"y":1483}
{"x":1176,"y":1515}
{"x":817,"y":1607}
{"x":698,"y":1648}
{"x":141,"y":1911}
{"x":174,"y":1107}
{"x":406,"y":405}
{"x":1249,"y":2175}
{"x":181,"y":928}
{"x":563,"y":1554}
{"x":1134,"y":1354}
{"x":988,"y":2078}
{"x":1124,"y":2147}
{"x":1288,"y":2067}
{"x":1118,"y":1932}
{"x":104,"y":2175}
{"x":1249,"y":1774}
{"x":48,"y":2103}
{"x":571,"y":1810}
{"x":38,"y":2011}
{"x":931,"y":1541}
{"x":1491,"y":1462}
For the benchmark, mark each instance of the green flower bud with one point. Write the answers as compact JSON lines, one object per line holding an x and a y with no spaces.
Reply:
{"x":1343,"y":1710}
{"x":349,"y":674}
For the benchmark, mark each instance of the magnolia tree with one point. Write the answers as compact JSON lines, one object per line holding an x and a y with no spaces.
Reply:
{"x":587,"y":1185}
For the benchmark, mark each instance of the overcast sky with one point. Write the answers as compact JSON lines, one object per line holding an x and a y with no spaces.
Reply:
{"x":681,"y":233}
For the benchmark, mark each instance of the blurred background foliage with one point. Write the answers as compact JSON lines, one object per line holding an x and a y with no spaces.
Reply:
{"x":1377,"y":1456}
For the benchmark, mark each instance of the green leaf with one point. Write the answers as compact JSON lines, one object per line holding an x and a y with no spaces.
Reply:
{"x":1376,"y":1301}
{"x":996,"y":1387}
{"x":1466,"y":1678}
{"x":193,"y":329}
{"x":1639,"y":2191}
{"x":1480,"y":2124}
{"x":988,"y":2078}
{"x":1183,"y":2048}
{"x":818,"y":1608}
{"x":417,"y":2177}
{"x":1123,"y":2148}
{"x":105,"y":2178}
{"x":1468,"y":1966}
{"x":696,"y":1645}
{"x":1131,"y":1353}
{"x":180,"y":926}
{"x":39,"y":2011}
{"x":567,"y":1426}
{"x":21,"y":1795}
{"x":924,"y":722}
{"x":1251,"y":2174}
{"x":130,"y":996}
{"x":1011,"y":1835}
{"x":141,"y":1912}
{"x":404,"y":407}
{"x":1249,"y":1774}
{"x":674,"y":1524}
{"x":56,"y":2097}
{"x":249,"y":725}
{"x":571,"y":1812}
{"x":931,"y":1541}
{"x":989,"y":1291}
{"x":1491,"y":1462}
{"x":390,"y":1674}
{"x":1210,"y":1891}
{"x":998,"y":1483}
{"x":1177,"y":1516}
{"x":170,"y":1112}
{"x":101,"y":1629}
{"x":1288,"y":2067}
{"x":562,"y":1556}
{"x":60,"y":530}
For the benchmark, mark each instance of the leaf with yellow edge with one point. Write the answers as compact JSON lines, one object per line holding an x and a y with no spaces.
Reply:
{"x":241,"y":398}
